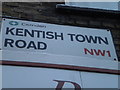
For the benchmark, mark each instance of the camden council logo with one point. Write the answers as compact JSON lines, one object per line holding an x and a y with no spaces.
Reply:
{"x":14,"y":23}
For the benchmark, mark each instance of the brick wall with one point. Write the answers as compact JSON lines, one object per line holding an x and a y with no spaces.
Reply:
{"x":46,"y":12}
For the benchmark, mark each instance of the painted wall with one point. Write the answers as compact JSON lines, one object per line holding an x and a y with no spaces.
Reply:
{"x":96,"y":5}
{"x":26,"y":77}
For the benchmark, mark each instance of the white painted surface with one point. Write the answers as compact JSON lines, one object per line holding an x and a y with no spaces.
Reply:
{"x":90,"y":80}
{"x":119,"y":5}
{"x":27,"y":77}
{"x":0,"y":54}
{"x":92,"y":0}
{"x":108,"y":5}
{"x":1,"y":77}
{"x":0,"y":36}
{"x":119,"y":81}
{"x":60,"y":47}
{"x":58,"y":59}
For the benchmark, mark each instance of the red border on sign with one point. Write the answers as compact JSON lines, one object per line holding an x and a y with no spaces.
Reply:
{"x":60,"y":66}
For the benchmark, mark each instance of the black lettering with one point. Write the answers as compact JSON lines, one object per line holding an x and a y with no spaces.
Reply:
{"x":23,"y":24}
{"x":50,"y":36}
{"x":31,"y":45}
{"x":9,"y":30}
{"x":43,"y":34}
{"x":27,"y":32}
{"x":56,"y":36}
{"x":71,"y":36}
{"x":105,"y":41}
{"x":90,"y":39}
{"x":8,"y":42}
{"x":19,"y":32}
{"x":80,"y":38}
{"x":42,"y":45}
{"x":20,"y":44}
{"x":38,"y":33}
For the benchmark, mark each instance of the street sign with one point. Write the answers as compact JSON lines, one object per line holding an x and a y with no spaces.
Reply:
{"x":27,"y":36}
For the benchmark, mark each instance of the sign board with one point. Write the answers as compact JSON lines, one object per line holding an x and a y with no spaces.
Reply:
{"x":27,"y":36}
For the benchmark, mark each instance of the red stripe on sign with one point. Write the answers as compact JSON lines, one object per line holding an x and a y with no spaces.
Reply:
{"x":60,"y":66}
